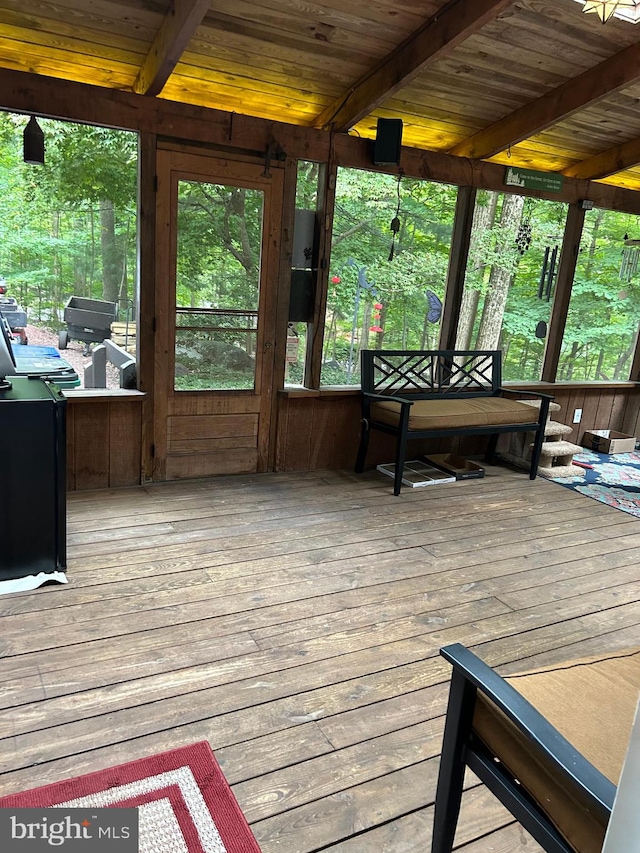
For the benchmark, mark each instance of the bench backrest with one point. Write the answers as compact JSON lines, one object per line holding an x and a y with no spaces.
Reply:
{"x":432,"y":373}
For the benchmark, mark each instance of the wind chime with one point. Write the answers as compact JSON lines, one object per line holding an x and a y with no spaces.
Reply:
{"x":548,"y":273}
{"x":525,"y":230}
{"x":630,"y":259}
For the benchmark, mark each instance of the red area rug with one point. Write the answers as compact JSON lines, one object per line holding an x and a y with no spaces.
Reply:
{"x":184,"y":802}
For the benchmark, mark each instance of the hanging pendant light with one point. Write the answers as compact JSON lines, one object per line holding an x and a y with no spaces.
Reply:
{"x":33,"y":143}
{"x":605,"y":9}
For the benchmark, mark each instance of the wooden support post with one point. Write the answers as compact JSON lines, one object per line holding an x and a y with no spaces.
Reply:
{"x":146,"y":301}
{"x":315,"y":335}
{"x":635,"y":366}
{"x":564,"y":282}
{"x":458,"y":255}
{"x":288,"y":207}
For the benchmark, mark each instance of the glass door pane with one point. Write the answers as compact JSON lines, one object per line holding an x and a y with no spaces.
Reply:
{"x":219,"y":238}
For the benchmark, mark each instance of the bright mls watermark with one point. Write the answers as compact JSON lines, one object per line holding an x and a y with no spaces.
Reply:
{"x":104,"y":830}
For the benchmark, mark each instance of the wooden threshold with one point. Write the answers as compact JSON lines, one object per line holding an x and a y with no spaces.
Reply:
{"x":294,"y":622}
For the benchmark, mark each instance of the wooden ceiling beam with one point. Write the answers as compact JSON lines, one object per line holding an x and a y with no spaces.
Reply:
{"x":620,"y":70}
{"x":438,"y":37}
{"x":616,"y":159}
{"x":49,"y":97}
{"x":176,"y":30}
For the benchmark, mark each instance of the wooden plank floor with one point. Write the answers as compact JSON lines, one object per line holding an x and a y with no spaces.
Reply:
{"x":294,"y":621}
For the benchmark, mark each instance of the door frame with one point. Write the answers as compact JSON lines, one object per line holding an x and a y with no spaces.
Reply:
{"x":177,"y":163}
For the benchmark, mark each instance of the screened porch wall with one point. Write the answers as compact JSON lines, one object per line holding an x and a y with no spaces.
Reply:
{"x":322,"y":429}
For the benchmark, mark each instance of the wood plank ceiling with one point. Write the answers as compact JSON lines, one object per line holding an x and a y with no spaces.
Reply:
{"x":533,"y":83}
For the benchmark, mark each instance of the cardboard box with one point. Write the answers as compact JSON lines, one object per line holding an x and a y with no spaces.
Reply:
{"x":418,"y":473}
{"x":608,"y":441}
{"x":461,"y":468}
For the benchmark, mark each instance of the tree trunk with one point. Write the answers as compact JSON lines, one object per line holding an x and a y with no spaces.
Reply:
{"x":483,"y":217}
{"x":110,"y":274}
{"x":332,"y":338}
{"x":123,"y":297}
{"x":571,"y":360}
{"x":622,"y":360}
{"x":523,"y":358}
{"x":92,"y":267}
{"x":366,"y":322}
{"x":56,"y":270}
{"x":501,"y":276}
{"x":468,"y":311}
{"x":425,"y":330}
{"x":381,"y":322}
{"x":599,"y":373}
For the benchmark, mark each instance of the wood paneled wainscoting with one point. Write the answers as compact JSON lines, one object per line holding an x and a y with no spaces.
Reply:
{"x":104,"y":439}
{"x":314,"y":430}
{"x":321,"y":429}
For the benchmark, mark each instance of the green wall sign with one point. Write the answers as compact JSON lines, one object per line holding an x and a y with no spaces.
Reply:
{"x":550,"y":182}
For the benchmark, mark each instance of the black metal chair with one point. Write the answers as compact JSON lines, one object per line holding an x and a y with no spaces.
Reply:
{"x":550,"y":786}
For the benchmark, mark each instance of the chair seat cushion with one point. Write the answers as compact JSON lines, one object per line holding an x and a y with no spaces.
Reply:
{"x":603,"y":695}
{"x":456,"y":414}
{"x":591,"y":702}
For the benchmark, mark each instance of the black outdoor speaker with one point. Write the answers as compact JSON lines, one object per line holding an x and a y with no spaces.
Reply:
{"x":386,"y":150}
{"x":301,"y":297}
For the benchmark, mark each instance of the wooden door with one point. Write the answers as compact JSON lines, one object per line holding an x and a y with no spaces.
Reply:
{"x":218,"y":225}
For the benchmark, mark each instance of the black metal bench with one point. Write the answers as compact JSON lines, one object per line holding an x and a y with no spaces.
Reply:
{"x":435,"y":393}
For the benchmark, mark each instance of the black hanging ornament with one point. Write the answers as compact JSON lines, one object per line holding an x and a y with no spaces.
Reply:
{"x":395,"y":222}
{"x":541,"y":330}
{"x":523,"y":237}
{"x":525,"y":230}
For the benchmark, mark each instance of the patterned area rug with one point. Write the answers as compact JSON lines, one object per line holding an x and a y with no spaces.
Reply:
{"x":184,"y":802}
{"x":613,"y":480}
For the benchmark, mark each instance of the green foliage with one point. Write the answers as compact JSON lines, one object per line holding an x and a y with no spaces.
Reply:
{"x":50,"y":216}
{"x":603,"y":315}
{"x":219,"y":242}
{"x":602,"y":321}
{"x":221,"y":380}
{"x":499,"y":250}
{"x":362,"y":274}
{"x":89,"y":164}
{"x":307,"y":185}
{"x":69,"y":228}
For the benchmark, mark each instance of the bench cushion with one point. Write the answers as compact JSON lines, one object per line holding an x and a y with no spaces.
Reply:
{"x":453,"y":414}
{"x":592,"y":704}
